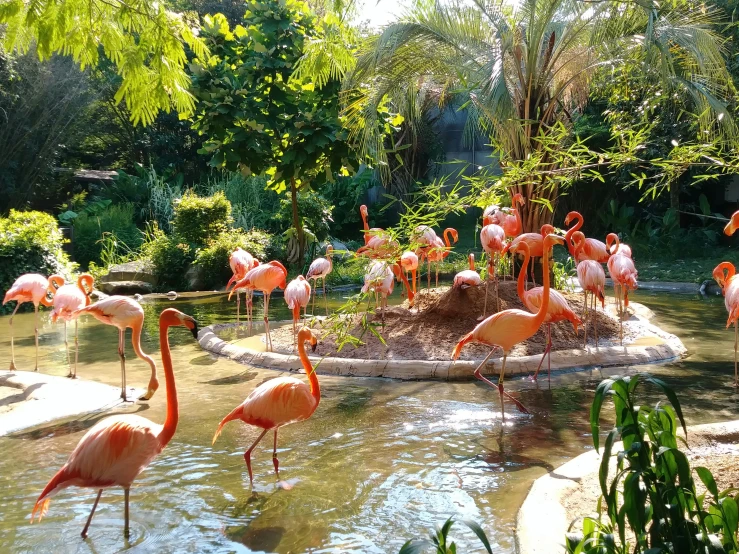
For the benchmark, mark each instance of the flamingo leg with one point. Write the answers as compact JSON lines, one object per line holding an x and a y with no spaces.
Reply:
{"x":250,"y":308}
{"x":247,"y":456}
{"x":325,"y":298}
{"x":594,"y":315}
{"x":585,"y":318}
{"x":266,"y":323}
{"x":495,"y":280}
{"x":547,"y":350}
{"x":122,"y":356}
{"x":413,"y":274}
{"x":66,"y":347}
{"x":521,"y":407}
{"x":485,"y":305}
{"x":313,"y":292}
{"x":437,"y":275}
{"x":126,"y":493}
{"x":35,"y":333}
{"x":238,"y":307}
{"x":428,"y":274}
{"x":92,"y":513}
{"x":12,"y":348}
{"x":736,"y":343}
{"x":76,"y":351}
{"x":275,"y":461}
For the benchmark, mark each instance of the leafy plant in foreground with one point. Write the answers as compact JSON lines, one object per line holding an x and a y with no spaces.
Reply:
{"x":652,"y":493}
{"x":439,"y":540}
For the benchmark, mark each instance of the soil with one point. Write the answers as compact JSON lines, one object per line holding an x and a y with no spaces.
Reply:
{"x":718,"y":452}
{"x":441,"y":317}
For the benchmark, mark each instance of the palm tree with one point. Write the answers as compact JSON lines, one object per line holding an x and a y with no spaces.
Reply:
{"x":524,"y":72}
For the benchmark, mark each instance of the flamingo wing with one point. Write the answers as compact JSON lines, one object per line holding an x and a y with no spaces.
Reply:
{"x":114,"y":310}
{"x":30,"y":287}
{"x":279,"y":402}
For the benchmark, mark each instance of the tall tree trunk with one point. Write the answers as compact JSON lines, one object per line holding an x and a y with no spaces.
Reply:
{"x":297,"y":222}
{"x":675,"y":198}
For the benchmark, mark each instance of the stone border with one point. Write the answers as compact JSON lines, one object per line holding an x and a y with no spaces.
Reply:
{"x":606,"y":356}
{"x":542,"y":521}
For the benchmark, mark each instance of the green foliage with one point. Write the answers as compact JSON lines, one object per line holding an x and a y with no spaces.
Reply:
{"x":170,"y":258}
{"x":652,"y":493}
{"x":439,"y":540}
{"x":253,"y":204}
{"x":30,"y":242}
{"x":213,"y":259}
{"x":315,"y":210}
{"x":145,"y":41}
{"x":345,"y":194}
{"x":197,"y":219}
{"x":91,"y":229}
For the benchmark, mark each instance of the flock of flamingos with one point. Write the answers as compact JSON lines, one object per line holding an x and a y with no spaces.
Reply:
{"x":118,"y":448}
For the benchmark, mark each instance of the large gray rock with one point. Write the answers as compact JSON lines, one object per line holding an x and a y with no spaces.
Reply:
{"x":138,"y":270}
{"x":126,"y":287}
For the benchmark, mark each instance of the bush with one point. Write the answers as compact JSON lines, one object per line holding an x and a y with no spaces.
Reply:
{"x":254,"y":205}
{"x":197,"y":219}
{"x":30,"y":242}
{"x":213,"y":259}
{"x":170,"y":258}
{"x":315,"y":210}
{"x":89,"y":231}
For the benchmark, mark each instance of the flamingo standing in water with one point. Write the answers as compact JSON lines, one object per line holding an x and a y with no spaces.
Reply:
{"x":278,"y":402}
{"x":241,"y":263}
{"x":123,"y":312}
{"x":118,"y":448}
{"x":67,"y":300}
{"x":592,"y":280}
{"x":557,"y":310}
{"x":507,"y":328}
{"x":469,"y":277}
{"x":535,"y":242}
{"x":492,"y":238}
{"x":623,"y":274}
{"x":30,"y":287}
{"x":592,"y":249}
{"x":409,"y":262}
{"x":725,"y":276}
{"x":297,"y":295}
{"x":265,"y":278}
{"x":319,"y":269}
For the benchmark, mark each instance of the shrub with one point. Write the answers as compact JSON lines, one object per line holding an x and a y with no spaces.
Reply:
{"x":89,"y":231}
{"x":254,"y":205}
{"x":197,"y":219}
{"x":170,"y":258}
{"x":315,"y":210}
{"x":30,"y":242}
{"x":213,"y":259}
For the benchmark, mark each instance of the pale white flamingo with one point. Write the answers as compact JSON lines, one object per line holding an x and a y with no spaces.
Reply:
{"x":320,"y":269}
{"x":297,"y":295}
{"x":67,"y":300}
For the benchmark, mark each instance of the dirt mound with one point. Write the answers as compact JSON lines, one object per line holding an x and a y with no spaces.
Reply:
{"x":440,"y":318}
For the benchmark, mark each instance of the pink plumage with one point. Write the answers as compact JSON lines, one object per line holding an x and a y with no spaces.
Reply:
{"x":321,"y":267}
{"x":592,"y":278}
{"x":622,"y":271}
{"x":492,"y":238}
{"x":297,"y":295}
{"x":409,"y":261}
{"x":509,"y":218}
{"x":468,"y":277}
{"x":532,"y":240}
{"x":30,"y":287}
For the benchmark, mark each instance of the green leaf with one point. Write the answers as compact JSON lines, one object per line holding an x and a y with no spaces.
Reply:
{"x":605,"y":461}
{"x":731,"y":515}
{"x":415,"y":547}
{"x":707,"y":478}
{"x":600,"y":393}
{"x":672,"y":397}
{"x":477,"y":530}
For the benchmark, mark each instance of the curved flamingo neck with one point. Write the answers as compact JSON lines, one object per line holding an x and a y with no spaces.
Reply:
{"x":610,"y":240}
{"x":364,"y":219}
{"x":173,"y":413}
{"x":406,"y":284}
{"x":544,"y":306}
{"x":579,"y":240}
{"x":576,"y":227}
{"x":516,"y":214}
{"x":472,"y":262}
{"x":85,"y":282}
{"x":448,"y":232}
{"x":724,"y":273}
{"x":315,"y":388}
{"x":136,"y":343}
{"x":522,"y":272}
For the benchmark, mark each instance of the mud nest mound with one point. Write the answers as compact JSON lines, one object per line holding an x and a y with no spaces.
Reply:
{"x":441,"y":317}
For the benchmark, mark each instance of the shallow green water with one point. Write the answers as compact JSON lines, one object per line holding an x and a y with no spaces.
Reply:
{"x":378,"y":463}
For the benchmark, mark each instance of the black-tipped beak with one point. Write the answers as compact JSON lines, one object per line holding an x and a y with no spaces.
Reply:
{"x":194,"y":330}
{"x":313,"y":347}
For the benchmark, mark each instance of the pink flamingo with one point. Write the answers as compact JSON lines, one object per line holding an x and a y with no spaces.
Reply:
{"x":619,"y":248}
{"x":725,"y":276}
{"x":535,"y":242}
{"x":592,"y":280}
{"x":265,"y":278}
{"x":507,"y":328}
{"x":469,"y":277}
{"x":118,"y":448}
{"x":623,"y":274}
{"x":557,"y":310}
{"x":320,"y":269}
{"x":278,"y":402}
{"x":732,"y":225}
{"x":438,"y":252}
{"x":381,"y":279}
{"x":592,"y":249}
{"x":368,"y":233}
{"x":511,"y":222}
{"x":30,"y":287}
{"x":297,"y":295}
{"x":123,"y":312}
{"x":379,"y":247}
{"x":241,"y":263}
{"x":67,"y":300}
{"x":492,"y":238}
{"x":409,"y":262}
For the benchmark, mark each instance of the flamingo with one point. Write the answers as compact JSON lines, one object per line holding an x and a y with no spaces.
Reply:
{"x":297,"y":295}
{"x":732,"y":225}
{"x":624,"y":274}
{"x":510,"y":222}
{"x":319,"y":269}
{"x":621,"y":248}
{"x":593,"y":280}
{"x":535,"y":242}
{"x":266,"y":278}
{"x":379,"y":246}
{"x":278,"y":402}
{"x":381,"y":279}
{"x":492,"y":238}
{"x":557,"y":310}
{"x":241,"y":263}
{"x":507,"y":328}
{"x":368,"y":233}
{"x":409,"y":262}
{"x":487,"y":214}
{"x":30,"y":287}
{"x":468,"y":277}
{"x":123,"y":312}
{"x":67,"y":300}
{"x":592,"y":249}
{"x":118,"y":448}
{"x":725,"y":275}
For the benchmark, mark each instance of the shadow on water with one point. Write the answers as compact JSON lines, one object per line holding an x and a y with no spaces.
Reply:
{"x":242,"y":377}
{"x":264,"y":539}
{"x":207,"y":359}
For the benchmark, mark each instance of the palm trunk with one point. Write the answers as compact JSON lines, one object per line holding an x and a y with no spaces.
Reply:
{"x":297,"y":223}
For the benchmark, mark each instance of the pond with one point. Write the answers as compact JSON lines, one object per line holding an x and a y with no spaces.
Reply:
{"x":378,"y":463}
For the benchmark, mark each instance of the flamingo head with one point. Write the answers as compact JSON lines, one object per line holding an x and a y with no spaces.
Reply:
{"x":612,"y":238}
{"x":453,"y":232}
{"x":551,"y":239}
{"x":723,"y":272}
{"x":87,"y":283}
{"x":732,"y":225}
{"x":363,"y":210}
{"x":518,"y":197}
{"x":571,"y":216}
{"x":306,"y":334}
{"x":547,"y":229}
{"x":519,"y":247}
{"x":578,"y":239}
{"x":175,"y":318}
